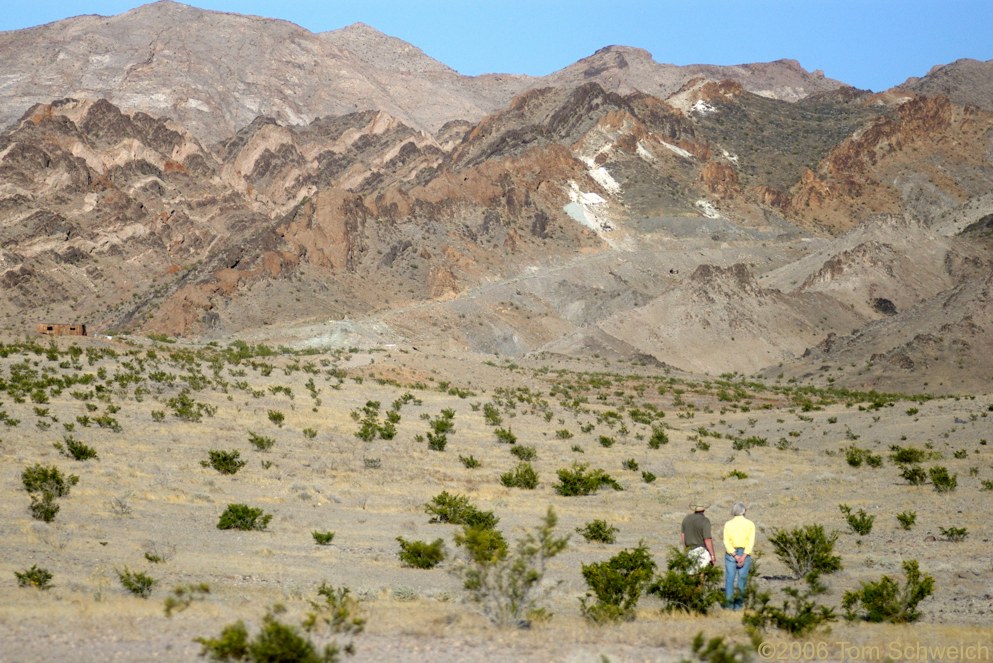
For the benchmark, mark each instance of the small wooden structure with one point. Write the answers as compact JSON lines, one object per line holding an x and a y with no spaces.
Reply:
{"x":62,"y":330}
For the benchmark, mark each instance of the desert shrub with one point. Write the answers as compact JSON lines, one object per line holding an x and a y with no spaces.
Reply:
{"x":614,"y":586}
{"x":855,"y":456}
{"x":943,"y":481}
{"x":806,"y":549}
{"x":310,"y":433}
{"x":47,"y":479}
{"x":648,"y":477}
{"x":421,"y":555}
{"x":136,"y":582}
{"x":580,"y":480}
{"x":185,"y":408}
{"x":441,"y":426}
{"x":599,"y":531}
{"x":746,"y":443}
{"x":225,"y":462}
{"x":658,"y":438}
{"x":261,"y":442}
{"x":954,"y":533}
{"x":736,"y":474}
{"x":491,"y":414}
{"x":73,"y":448}
{"x":36,"y":577}
{"x":909,"y":455}
{"x":798,"y":615}
{"x":716,"y":650}
{"x":524,"y":452}
{"x":484,"y":545}
{"x":276,"y":417}
{"x":906,"y":519}
{"x":860,"y":522}
{"x":606,"y":441}
{"x":458,"y":510}
{"x":276,"y":641}
{"x":505,"y":436}
{"x":243,"y":517}
{"x":522,"y":476}
{"x":630,"y":464}
{"x":686,"y":589}
{"x":183,"y":596}
{"x":886,"y":601}
{"x":322,"y":538}
{"x":469,"y":461}
{"x":508,"y":588}
{"x":44,"y":507}
{"x":563,"y":434}
{"x":986,"y":484}
{"x":913,"y":474}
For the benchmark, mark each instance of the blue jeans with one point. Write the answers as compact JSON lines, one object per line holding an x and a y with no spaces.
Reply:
{"x":732,"y":573}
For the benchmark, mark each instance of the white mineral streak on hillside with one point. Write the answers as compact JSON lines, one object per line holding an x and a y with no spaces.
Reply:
{"x":707,"y":209}
{"x":678,"y":150}
{"x":644,"y":153}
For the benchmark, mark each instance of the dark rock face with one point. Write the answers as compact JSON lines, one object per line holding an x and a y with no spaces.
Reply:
{"x":884,"y":306}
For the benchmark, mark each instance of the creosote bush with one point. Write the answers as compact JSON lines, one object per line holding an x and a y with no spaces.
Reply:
{"x":36,"y":577}
{"x":225,"y":462}
{"x":508,"y":585}
{"x":942,"y":481}
{"x":683,"y":588}
{"x":860,"y":522}
{"x":522,"y":476}
{"x":717,"y":650}
{"x":580,"y":480}
{"x":806,"y":549}
{"x":334,"y":614}
{"x":458,"y":510}
{"x":420,"y":554}
{"x":47,"y":479}
{"x":243,"y":517}
{"x":906,"y":519}
{"x":798,"y":615}
{"x":616,"y":585}
{"x":886,"y":601}
{"x":183,"y":596}
{"x":598,"y":531}
{"x":73,"y":448}
{"x":322,"y":538}
{"x":136,"y":582}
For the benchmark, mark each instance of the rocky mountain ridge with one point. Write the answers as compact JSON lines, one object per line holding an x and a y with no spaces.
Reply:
{"x":711,"y":227}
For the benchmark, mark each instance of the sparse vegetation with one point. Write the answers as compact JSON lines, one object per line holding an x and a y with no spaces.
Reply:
{"x":885,"y":600}
{"x":598,"y":531}
{"x":616,"y":585}
{"x":243,"y":517}
{"x":36,"y":576}
{"x":580,"y":480}
{"x":420,"y":554}
{"x":806,"y":549}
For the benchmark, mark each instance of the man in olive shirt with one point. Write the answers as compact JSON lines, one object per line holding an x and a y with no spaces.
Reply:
{"x":696,"y":537}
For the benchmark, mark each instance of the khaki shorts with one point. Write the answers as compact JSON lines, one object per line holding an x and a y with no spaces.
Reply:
{"x":700,"y":557}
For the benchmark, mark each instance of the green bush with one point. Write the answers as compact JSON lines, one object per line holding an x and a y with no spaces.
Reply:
{"x":524,"y":452}
{"x":73,"y":448}
{"x":458,"y":510}
{"x":606,"y":441}
{"x":278,"y":641}
{"x":183,"y":596}
{"x":322,"y":538}
{"x":910,"y":455}
{"x":907,"y":519}
{"x":860,"y":522}
{"x":886,"y":601}
{"x":580,"y":480}
{"x":684,"y":588}
{"x":913,"y":474}
{"x":855,"y":456}
{"x":508,"y":587}
{"x":261,"y":442}
{"x":225,"y":462}
{"x":243,"y":517}
{"x":505,"y":436}
{"x":44,"y":507}
{"x":522,"y":476}
{"x":648,"y":477}
{"x":630,"y":464}
{"x":36,"y":577}
{"x":47,"y":479}
{"x":716,"y":650}
{"x":599,"y":531}
{"x":484,"y":545}
{"x":616,"y":585}
{"x":799,"y":614}
{"x":943,"y":481}
{"x":954,"y":533}
{"x":421,"y":555}
{"x":469,"y":462}
{"x":806,"y":549}
{"x":136,"y":582}
{"x":658,"y":438}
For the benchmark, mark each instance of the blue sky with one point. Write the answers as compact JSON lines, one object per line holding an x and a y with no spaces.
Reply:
{"x":872,"y":44}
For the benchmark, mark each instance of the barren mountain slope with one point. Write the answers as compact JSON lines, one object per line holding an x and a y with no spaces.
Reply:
{"x":966,"y":82}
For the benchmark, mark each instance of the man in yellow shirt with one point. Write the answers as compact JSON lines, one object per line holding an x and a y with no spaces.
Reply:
{"x":739,"y":539}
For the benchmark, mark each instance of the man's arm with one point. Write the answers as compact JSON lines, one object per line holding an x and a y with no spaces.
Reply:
{"x":709,"y":543}
{"x":682,"y":539}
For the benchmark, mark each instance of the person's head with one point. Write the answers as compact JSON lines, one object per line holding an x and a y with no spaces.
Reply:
{"x":698,"y":507}
{"x":738,"y":509}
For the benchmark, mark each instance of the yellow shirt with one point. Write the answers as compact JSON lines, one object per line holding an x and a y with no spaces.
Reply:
{"x":739,"y":532}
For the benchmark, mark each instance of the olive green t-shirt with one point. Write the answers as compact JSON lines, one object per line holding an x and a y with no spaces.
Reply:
{"x":696,"y":528}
